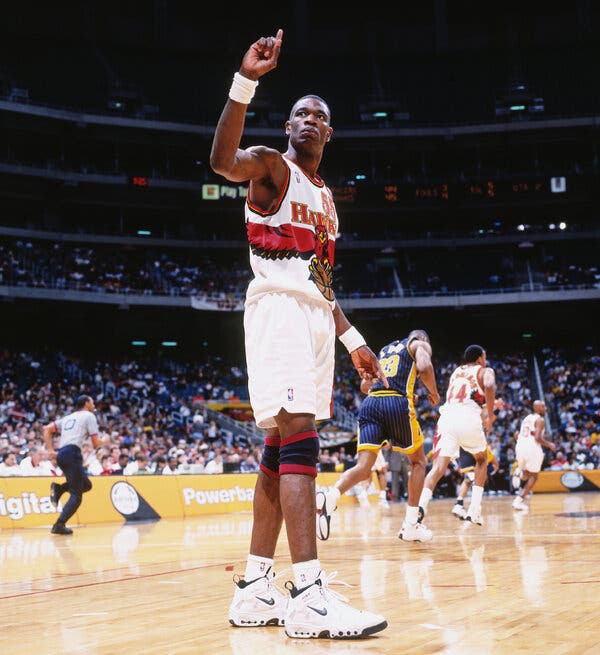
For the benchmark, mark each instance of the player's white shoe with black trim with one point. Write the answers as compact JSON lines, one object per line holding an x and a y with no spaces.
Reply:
{"x":258,"y":602}
{"x":318,"y":612}
{"x":325,"y":506}
{"x":459,"y":510}
{"x":416,"y":532}
{"x":474,"y":517}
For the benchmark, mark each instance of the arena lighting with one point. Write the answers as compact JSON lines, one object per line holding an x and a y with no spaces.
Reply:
{"x":552,"y":226}
{"x":138,"y":343}
{"x":521,"y":227}
{"x":144,"y":233}
{"x":380,"y":114}
{"x":169,"y":344}
{"x":562,"y":225}
{"x":360,"y":176}
{"x":527,"y":335}
{"x":517,"y":107}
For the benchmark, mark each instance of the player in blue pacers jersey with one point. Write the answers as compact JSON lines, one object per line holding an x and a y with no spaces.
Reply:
{"x":388,"y":415}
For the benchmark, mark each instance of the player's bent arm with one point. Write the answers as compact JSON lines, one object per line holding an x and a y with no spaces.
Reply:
{"x":540,"y":431}
{"x":422,"y":355}
{"x":489,"y":390}
{"x":226,"y":158}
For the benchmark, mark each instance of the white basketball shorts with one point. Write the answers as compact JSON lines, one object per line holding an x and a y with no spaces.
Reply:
{"x":530,"y":455}
{"x":458,"y":428}
{"x":290,"y":355}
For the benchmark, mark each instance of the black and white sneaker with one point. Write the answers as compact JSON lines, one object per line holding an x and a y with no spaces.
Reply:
{"x":257,"y":602}
{"x":318,"y":612}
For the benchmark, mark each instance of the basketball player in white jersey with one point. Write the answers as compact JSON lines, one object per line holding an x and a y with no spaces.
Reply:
{"x":528,"y":451}
{"x":291,"y":319}
{"x":74,"y":429}
{"x":471,"y":389}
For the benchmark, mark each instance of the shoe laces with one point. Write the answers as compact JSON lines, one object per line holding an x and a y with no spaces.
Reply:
{"x":327,"y":580}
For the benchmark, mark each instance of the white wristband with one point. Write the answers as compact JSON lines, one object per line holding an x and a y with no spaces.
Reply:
{"x":352,"y":339}
{"x":242,"y":89}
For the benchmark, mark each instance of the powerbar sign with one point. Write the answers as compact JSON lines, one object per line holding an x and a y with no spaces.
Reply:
{"x":220,"y":191}
{"x":16,"y":507}
{"x":217,"y":496}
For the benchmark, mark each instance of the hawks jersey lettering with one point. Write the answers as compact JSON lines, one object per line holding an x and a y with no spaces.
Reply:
{"x":464,"y":389}
{"x":527,"y":430}
{"x":399,"y":368}
{"x":292,"y":245}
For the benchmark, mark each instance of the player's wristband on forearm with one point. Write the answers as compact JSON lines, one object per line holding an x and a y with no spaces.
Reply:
{"x":352,"y":339}
{"x":242,"y":89}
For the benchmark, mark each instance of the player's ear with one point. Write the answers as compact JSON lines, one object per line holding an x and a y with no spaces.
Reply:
{"x":288,"y":128}
{"x":329,"y":134}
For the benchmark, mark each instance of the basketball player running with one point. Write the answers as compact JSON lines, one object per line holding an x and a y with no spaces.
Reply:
{"x":291,"y":319}
{"x":466,"y":467}
{"x":471,"y":389}
{"x":74,"y":429}
{"x":528,"y":451}
{"x":388,"y":415}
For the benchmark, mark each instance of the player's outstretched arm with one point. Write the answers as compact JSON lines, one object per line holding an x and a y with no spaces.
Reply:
{"x":226,"y":157}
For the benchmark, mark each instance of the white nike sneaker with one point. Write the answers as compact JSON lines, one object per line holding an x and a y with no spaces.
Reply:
{"x":459,"y":510}
{"x":325,"y":506}
{"x":474,"y":517}
{"x":519,"y":503}
{"x":416,"y":532}
{"x":318,"y":612}
{"x":258,"y":602}
{"x":383,"y":502}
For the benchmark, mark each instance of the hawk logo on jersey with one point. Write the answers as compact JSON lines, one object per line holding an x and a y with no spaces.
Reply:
{"x":321,"y":272}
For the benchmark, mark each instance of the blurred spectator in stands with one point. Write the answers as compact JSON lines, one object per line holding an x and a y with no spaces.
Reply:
{"x":161,"y":465}
{"x":9,"y":467}
{"x":215,"y":465}
{"x":36,"y":463}
{"x":139,"y":466}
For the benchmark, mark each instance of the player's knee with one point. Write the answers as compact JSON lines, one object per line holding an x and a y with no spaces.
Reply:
{"x":87,"y":485}
{"x":418,"y":463}
{"x":269,"y":463}
{"x":299,"y":454}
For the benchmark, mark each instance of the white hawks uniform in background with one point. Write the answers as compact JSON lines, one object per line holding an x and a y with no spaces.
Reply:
{"x":528,"y":451}
{"x":460,"y":423}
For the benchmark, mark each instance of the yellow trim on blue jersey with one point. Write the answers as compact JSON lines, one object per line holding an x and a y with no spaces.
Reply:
{"x":386,"y":392}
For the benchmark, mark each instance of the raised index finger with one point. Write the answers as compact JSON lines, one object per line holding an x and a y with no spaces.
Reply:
{"x":278,"y":42}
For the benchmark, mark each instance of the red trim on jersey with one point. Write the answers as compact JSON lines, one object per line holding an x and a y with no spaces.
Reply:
{"x":286,"y":238}
{"x":298,"y":469}
{"x":300,"y":436}
{"x":316,"y":180}
{"x":268,"y":472}
{"x":273,"y":441}
{"x":275,"y":209}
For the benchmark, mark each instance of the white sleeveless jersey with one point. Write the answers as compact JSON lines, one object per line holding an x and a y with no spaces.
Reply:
{"x":464,"y":389}
{"x":292,"y":246}
{"x":527,"y":430}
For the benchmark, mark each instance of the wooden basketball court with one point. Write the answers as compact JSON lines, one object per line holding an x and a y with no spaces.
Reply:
{"x":522,"y":583}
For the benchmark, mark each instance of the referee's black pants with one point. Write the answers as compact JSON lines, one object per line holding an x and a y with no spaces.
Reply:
{"x":70,"y":460}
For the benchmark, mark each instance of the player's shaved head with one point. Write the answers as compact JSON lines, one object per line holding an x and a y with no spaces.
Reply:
{"x":418,"y":334}
{"x":539,"y":406}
